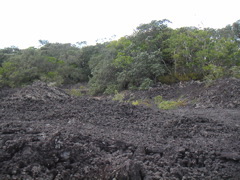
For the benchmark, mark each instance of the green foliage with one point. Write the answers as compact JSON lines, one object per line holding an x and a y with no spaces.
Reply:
{"x":168,"y":79}
{"x":43,"y":42}
{"x":122,"y":44}
{"x":235,"y":71}
{"x":158,"y":99}
{"x":53,"y":77}
{"x":190,"y":49}
{"x":132,"y":87}
{"x":111,"y":89}
{"x":141,"y":102}
{"x":118,"y":96}
{"x":5,"y":72}
{"x":143,"y":71}
{"x":122,"y":60}
{"x":131,"y":62}
{"x":213,"y":72}
{"x":75,"y":92}
{"x":103,"y":71}
{"x":58,"y":63}
{"x":166,"y":105}
{"x":7,"y":53}
{"x":236,"y":29}
{"x":135,"y":103}
{"x":188,"y":76}
{"x":153,"y":53}
{"x":54,"y":60}
{"x":13,"y":74}
{"x":146,"y":84}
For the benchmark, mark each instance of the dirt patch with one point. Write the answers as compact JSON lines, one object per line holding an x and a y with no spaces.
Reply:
{"x":46,"y":134}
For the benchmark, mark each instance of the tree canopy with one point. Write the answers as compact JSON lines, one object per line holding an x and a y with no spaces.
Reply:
{"x":153,"y":53}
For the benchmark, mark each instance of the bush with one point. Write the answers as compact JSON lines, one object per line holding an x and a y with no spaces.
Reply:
{"x":146,"y":84}
{"x":168,"y":79}
{"x":111,"y":89}
{"x":141,"y":102}
{"x":213,"y":72}
{"x":158,"y":99}
{"x":77,"y":92}
{"x":132,"y":87}
{"x":171,"y":104}
{"x":235,"y":71}
{"x":188,"y":76}
{"x":118,"y":96}
{"x":162,"y":104}
{"x":52,"y":77}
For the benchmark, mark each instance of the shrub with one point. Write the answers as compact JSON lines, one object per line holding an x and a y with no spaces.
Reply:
{"x":188,"y":76}
{"x":141,"y":102}
{"x":132,"y":87}
{"x":162,"y":104}
{"x":76,"y":92}
{"x":52,"y":77}
{"x":158,"y":99}
{"x":235,"y":71}
{"x":168,"y":79}
{"x":111,"y":89}
{"x":118,"y":96}
{"x":171,"y":104}
{"x":135,"y":103}
{"x":146,"y":84}
{"x":213,"y":72}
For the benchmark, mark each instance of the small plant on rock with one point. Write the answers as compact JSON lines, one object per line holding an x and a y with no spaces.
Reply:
{"x":171,"y":104}
{"x":162,"y":104}
{"x":118,"y":96}
{"x":141,"y":102}
{"x":158,"y":99}
{"x":76,"y":91}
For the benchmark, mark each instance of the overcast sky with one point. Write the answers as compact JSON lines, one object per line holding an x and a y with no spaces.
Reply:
{"x":24,"y":22}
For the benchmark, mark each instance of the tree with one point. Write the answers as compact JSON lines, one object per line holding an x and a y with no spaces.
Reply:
{"x":81,"y":44}
{"x":190,"y":50}
{"x":236,"y":28}
{"x":103,"y":71}
{"x":43,"y":42}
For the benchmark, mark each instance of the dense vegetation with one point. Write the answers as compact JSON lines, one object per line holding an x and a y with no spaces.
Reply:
{"x":153,"y":53}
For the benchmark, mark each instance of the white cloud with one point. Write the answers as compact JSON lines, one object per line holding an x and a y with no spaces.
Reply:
{"x":24,"y":22}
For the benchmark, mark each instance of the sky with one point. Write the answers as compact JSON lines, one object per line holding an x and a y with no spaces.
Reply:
{"x":24,"y":22}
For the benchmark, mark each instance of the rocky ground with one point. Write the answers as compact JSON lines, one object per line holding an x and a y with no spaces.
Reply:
{"x":47,"y":134}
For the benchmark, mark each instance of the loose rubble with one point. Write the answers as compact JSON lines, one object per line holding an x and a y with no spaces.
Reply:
{"x":47,"y":134}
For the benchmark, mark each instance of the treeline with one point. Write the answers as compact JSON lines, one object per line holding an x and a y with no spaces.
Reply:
{"x":153,"y":53}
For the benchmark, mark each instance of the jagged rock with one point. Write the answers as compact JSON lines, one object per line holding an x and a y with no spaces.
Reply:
{"x":46,"y":134}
